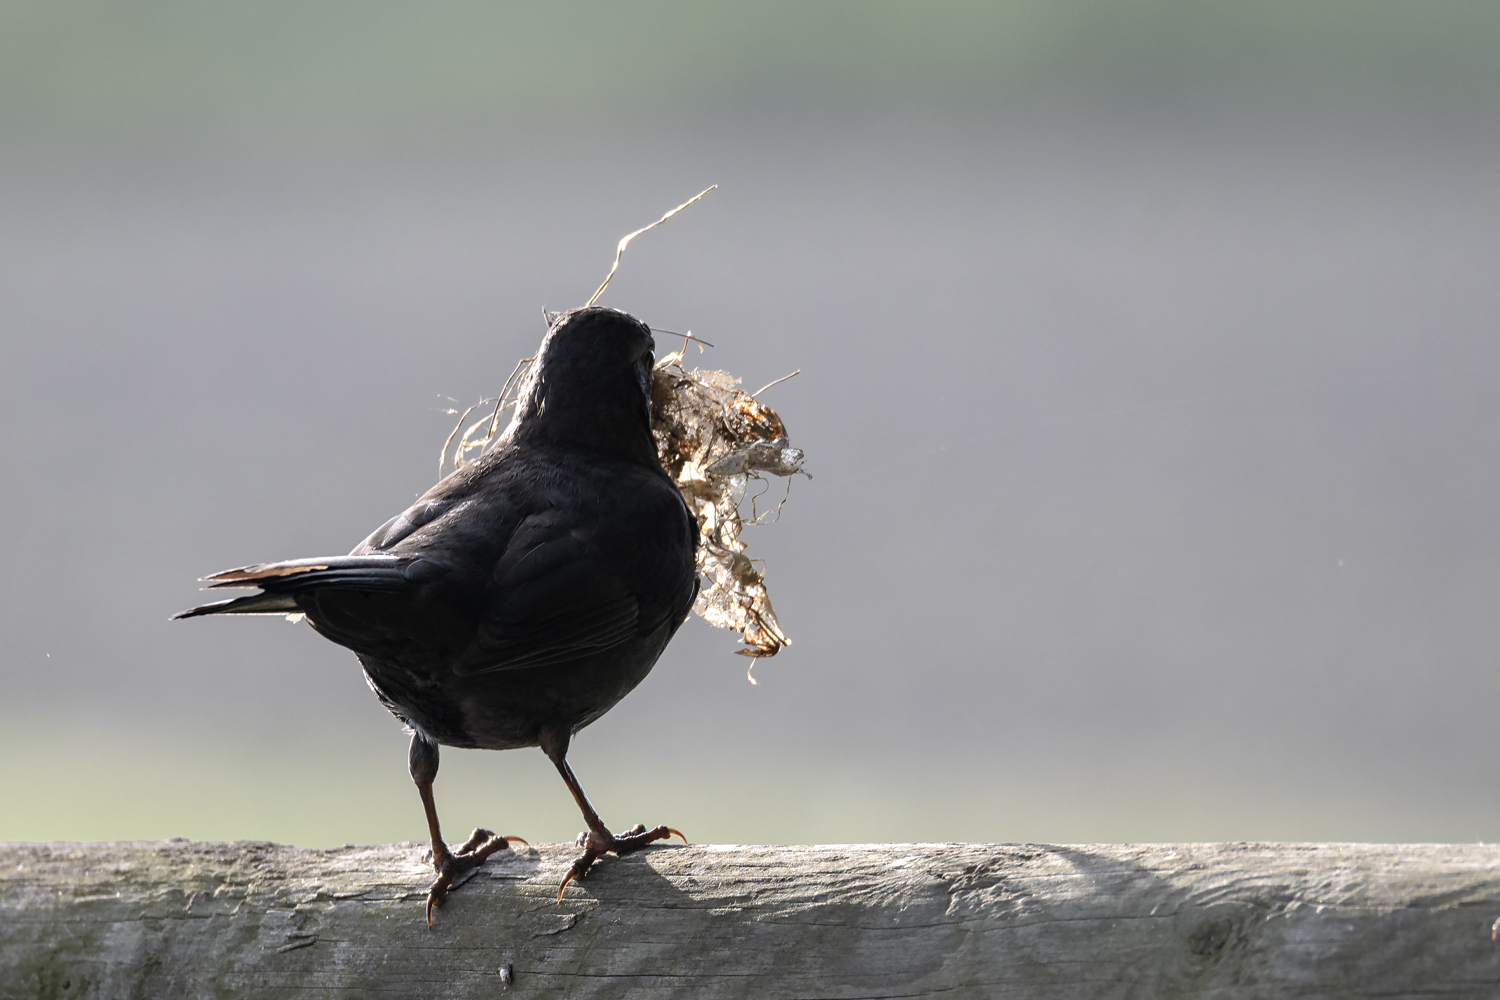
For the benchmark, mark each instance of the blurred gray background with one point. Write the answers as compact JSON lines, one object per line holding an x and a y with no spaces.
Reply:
{"x":1148,"y":357}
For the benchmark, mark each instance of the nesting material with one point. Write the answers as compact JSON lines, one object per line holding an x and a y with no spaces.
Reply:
{"x":714,"y":440}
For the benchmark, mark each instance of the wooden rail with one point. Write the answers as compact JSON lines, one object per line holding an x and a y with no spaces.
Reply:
{"x":179,"y":919}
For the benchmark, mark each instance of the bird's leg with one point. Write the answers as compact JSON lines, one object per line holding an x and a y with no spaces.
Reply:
{"x":422,"y":760}
{"x":597,"y":839}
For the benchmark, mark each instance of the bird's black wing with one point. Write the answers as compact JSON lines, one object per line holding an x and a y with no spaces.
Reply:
{"x":553,"y":597}
{"x":570,"y":586}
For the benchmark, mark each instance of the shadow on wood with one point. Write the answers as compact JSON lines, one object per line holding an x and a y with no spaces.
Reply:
{"x":179,"y":919}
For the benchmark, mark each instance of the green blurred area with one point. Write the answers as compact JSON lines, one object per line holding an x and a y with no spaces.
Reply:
{"x":352,"y":69}
{"x":63,"y":785}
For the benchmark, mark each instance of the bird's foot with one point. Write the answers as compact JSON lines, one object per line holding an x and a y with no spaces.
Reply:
{"x":596,"y":843}
{"x":470,"y":854}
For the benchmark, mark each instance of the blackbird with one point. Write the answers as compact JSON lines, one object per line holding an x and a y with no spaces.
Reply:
{"x":523,"y":596}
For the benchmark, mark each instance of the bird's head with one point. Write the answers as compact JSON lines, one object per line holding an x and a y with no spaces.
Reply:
{"x":590,"y":385}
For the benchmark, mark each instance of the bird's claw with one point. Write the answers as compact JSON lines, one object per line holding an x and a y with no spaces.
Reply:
{"x":596,"y":843}
{"x":470,"y":854}
{"x":580,"y":868}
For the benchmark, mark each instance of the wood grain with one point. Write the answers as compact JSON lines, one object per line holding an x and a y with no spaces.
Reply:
{"x":179,"y":919}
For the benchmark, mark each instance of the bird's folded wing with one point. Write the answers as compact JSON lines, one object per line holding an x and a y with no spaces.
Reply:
{"x":553,"y":598}
{"x":427,"y":509}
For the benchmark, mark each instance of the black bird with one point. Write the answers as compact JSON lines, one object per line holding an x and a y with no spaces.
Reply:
{"x":524,"y":595}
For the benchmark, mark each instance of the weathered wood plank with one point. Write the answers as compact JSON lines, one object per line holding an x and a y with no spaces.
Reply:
{"x":180,"y":919}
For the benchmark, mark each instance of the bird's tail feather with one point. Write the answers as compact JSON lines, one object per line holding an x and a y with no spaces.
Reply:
{"x":253,"y":604}
{"x":280,"y":582}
